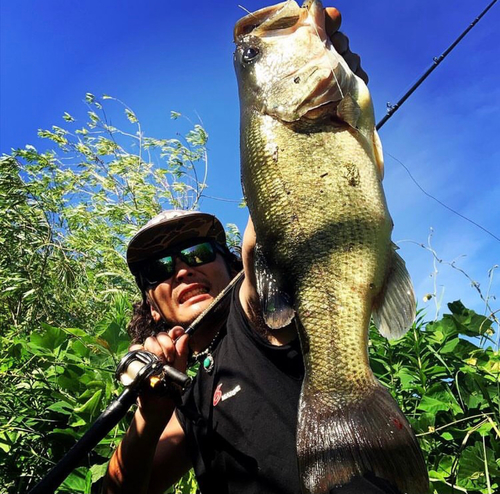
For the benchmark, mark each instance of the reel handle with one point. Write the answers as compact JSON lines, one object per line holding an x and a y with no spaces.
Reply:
{"x":139,"y":367}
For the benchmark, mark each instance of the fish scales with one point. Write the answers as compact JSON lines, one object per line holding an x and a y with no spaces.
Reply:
{"x":337,"y":220}
{"x":311,"y":168}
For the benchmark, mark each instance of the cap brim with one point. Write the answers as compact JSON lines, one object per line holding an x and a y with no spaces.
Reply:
{"x":155,"y":238}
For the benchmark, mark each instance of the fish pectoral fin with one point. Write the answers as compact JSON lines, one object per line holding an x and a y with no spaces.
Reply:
{"x":275,"y":303}
{"x":394,"y":311}
{"x":349,"y":111}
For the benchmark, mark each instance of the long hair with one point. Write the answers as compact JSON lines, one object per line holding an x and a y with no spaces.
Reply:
{"x":142,"y":324}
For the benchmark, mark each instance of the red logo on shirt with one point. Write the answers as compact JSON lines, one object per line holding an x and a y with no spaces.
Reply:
{"x":217,"y":394}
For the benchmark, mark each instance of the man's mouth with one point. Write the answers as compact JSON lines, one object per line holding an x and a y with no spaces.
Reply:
{"x":192,"y":292}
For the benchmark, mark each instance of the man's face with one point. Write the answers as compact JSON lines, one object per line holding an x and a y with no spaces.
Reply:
{"x":189,"y":291}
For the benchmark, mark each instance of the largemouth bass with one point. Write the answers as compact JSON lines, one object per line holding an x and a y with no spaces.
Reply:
{"x":311,"y":172}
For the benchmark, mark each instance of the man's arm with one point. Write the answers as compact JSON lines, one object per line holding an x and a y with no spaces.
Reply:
{"x":249,"y":297}
{"x":152,"y":456}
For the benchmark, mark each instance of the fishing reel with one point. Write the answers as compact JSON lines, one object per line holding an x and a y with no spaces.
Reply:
{"x":140,"y":369}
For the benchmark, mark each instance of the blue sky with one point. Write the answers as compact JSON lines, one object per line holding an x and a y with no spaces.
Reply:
{"x":159,"y":56}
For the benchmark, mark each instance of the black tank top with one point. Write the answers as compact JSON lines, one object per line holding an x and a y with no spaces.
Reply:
{"x":240,"y":419}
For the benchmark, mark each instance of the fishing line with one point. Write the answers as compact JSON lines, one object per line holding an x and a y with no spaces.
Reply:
{"x":442,"y":203}
{"x":393,"y":108}
{"x":246,"y":10}
{"x":325,"y":44}
{"x":437,"y":60}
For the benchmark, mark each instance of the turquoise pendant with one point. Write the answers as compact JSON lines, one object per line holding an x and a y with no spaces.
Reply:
{"x":208,"y":363}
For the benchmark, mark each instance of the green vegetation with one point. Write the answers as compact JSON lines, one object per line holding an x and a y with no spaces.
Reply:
{"x":446,"y":380}
{"x":67,"y":215}
{"x":66,"y":299}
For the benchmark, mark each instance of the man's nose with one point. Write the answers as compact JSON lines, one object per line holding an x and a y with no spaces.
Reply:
{"x":182,"y":270}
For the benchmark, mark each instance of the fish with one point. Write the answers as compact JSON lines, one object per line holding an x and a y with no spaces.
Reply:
{"x":311,"y":171}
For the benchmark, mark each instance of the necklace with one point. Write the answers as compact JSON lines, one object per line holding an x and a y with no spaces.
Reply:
{"x":205,"y":358}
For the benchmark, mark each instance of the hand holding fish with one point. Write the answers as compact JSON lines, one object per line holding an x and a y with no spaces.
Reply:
{"x":340,"y":42}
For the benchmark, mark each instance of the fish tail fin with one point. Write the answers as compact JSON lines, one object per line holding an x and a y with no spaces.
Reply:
{"x":353,"y":440}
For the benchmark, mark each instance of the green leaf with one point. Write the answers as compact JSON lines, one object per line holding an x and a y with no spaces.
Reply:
{"x":472,"y":464}
{"x":7,"y":440}
{"x":98,"y":471}
{"x":79,"y":422}
{"x":486,"y":429}
{"x":80,"y":349}
{"x":423,"y":423}
{"x":447,"y":436}
{"x":450,"y":345}
{"x":76,"y":332}
{"x":76,"y":481}
{"x":131,"y":116}
{"x":91,"y":405}
{"x":407,"y":378}
{"x":50,"y":339}
{"x":62,"y":407}
{"x":116,"y":339}
{"x":439,"y":398}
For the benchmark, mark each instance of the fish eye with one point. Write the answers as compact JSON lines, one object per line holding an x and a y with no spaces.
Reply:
{"x":249,"y":54}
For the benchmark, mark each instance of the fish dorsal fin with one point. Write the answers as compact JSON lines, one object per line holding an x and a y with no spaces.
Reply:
{"x":394,"y":311}
{"x":379,"y":154}
{"x":275,"y":303}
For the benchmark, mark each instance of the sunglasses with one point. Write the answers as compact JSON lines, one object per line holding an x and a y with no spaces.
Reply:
{"x":195,"y":254}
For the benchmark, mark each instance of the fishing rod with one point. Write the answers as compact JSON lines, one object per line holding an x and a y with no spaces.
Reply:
{"x":391,"y":109}
{"x":138,"y":370}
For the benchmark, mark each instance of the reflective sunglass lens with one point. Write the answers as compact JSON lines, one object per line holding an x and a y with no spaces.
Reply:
{"x":198,"y":254}
{"x":195,"y":255}
{"x":160,"y":270}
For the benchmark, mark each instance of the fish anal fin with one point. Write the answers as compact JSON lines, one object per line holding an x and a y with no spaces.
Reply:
{"x":394,"y":310}
{"x":275,"y":303}
{"x":370,"y":436}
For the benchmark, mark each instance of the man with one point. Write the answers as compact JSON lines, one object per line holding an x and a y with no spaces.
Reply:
{"x":236,"y":425}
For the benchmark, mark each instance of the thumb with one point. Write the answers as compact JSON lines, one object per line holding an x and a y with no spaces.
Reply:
{"x":333,"y":19}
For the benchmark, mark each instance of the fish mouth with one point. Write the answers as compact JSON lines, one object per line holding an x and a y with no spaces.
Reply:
{"x":284,"y":17}
{"x":192,"y":291}
{"x":312,"y":84}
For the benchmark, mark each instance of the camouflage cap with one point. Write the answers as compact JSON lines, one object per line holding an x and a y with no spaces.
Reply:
{"x":170,"y":228}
